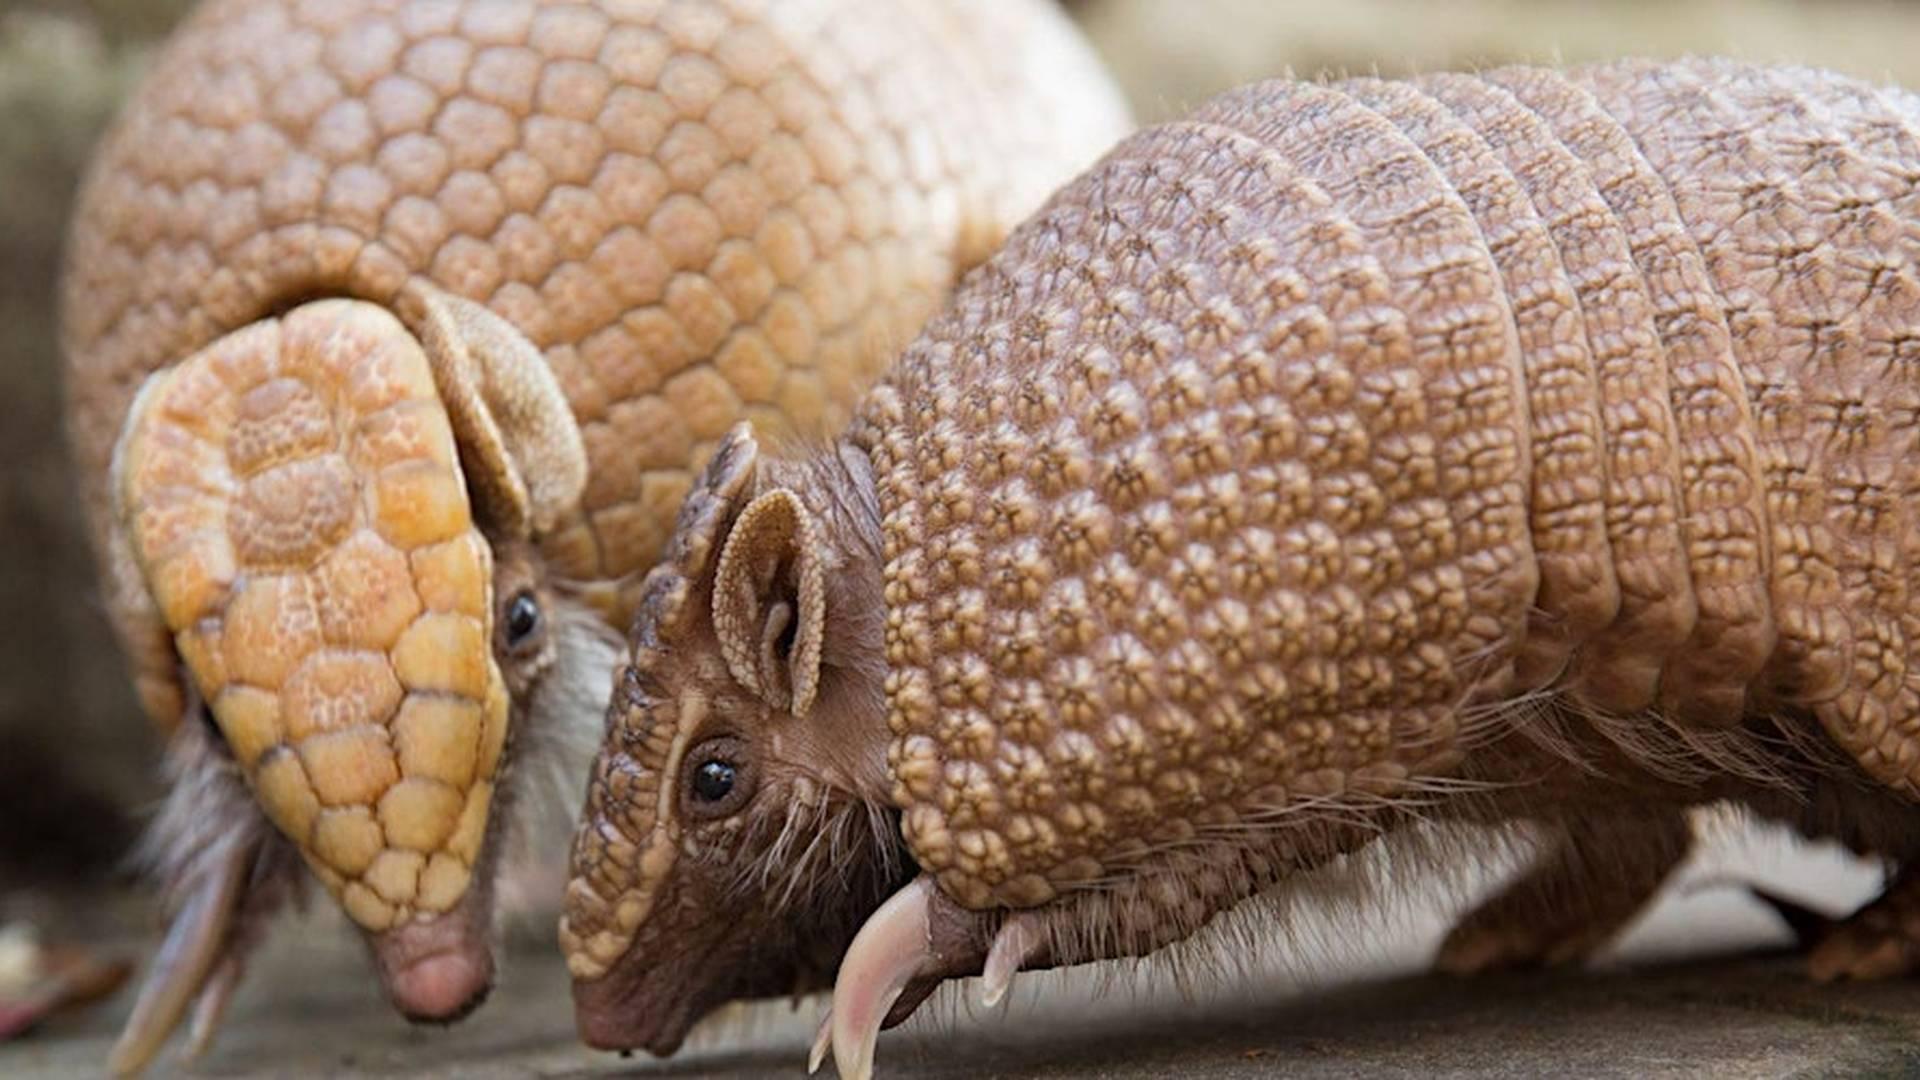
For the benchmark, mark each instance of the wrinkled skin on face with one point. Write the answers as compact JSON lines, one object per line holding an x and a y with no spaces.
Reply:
{"x":771,"y":876}
{"x":738,"y":831}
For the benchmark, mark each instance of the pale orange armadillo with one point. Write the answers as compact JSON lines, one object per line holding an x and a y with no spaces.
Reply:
{"x":396,"y":329}
{"x":1530,"y":446}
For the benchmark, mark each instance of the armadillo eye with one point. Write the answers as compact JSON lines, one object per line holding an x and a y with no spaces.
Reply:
{"x":719,"y":778}
{"x":713,"y":780}
{"x":523,"y":618}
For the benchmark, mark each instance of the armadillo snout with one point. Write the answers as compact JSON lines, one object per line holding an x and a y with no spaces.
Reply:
{"x":437,"y":970}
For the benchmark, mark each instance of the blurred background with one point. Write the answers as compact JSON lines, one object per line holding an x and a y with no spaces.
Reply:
{"x":77,"y":761}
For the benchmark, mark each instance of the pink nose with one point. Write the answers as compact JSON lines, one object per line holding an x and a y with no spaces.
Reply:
{"x":435,"y":971}
{"x":442,"y":987}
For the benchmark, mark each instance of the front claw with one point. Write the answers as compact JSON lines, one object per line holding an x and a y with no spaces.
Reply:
{"x":822,"y":1042}
{"x":185,"y":968}
{"x":1021,"y":941}
{"x":211,"y":1006}
{"x":915,"y":941}
{"x":893,"y":948}
{"x":224,"y":874}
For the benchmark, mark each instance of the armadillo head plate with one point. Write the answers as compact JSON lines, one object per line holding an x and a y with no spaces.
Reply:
{"x":323,"y":506}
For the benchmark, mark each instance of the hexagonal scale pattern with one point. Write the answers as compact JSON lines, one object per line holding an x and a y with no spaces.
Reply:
{"x":335,"y":620}
{"x":698,"y":210}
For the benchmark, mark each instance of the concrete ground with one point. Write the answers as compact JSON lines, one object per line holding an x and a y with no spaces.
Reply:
{"x":1699,"y":988}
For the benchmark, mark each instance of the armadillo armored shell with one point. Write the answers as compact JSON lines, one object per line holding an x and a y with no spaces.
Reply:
{"x":1298,"y":427}
{"x":695,"y":212}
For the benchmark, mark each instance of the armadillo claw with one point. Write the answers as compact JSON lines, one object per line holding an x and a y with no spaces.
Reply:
{"x":1018,"y":941}
{"x":184,"y":964}
{"x":822,"y":1041}
{"x":212,"y":1005}
{"x":892,"y":947}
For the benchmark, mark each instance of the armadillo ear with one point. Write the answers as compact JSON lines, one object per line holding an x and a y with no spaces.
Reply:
{"x":524,"y":459}
{"x":769,"y":601}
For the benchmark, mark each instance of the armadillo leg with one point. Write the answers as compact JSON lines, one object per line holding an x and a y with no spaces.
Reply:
{"x":1594,"y":879}
{"x":917,"y":939}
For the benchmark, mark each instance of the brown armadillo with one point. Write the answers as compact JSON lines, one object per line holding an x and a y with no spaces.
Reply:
{"x":1531,"y":446}
{"x":396,"y":329}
